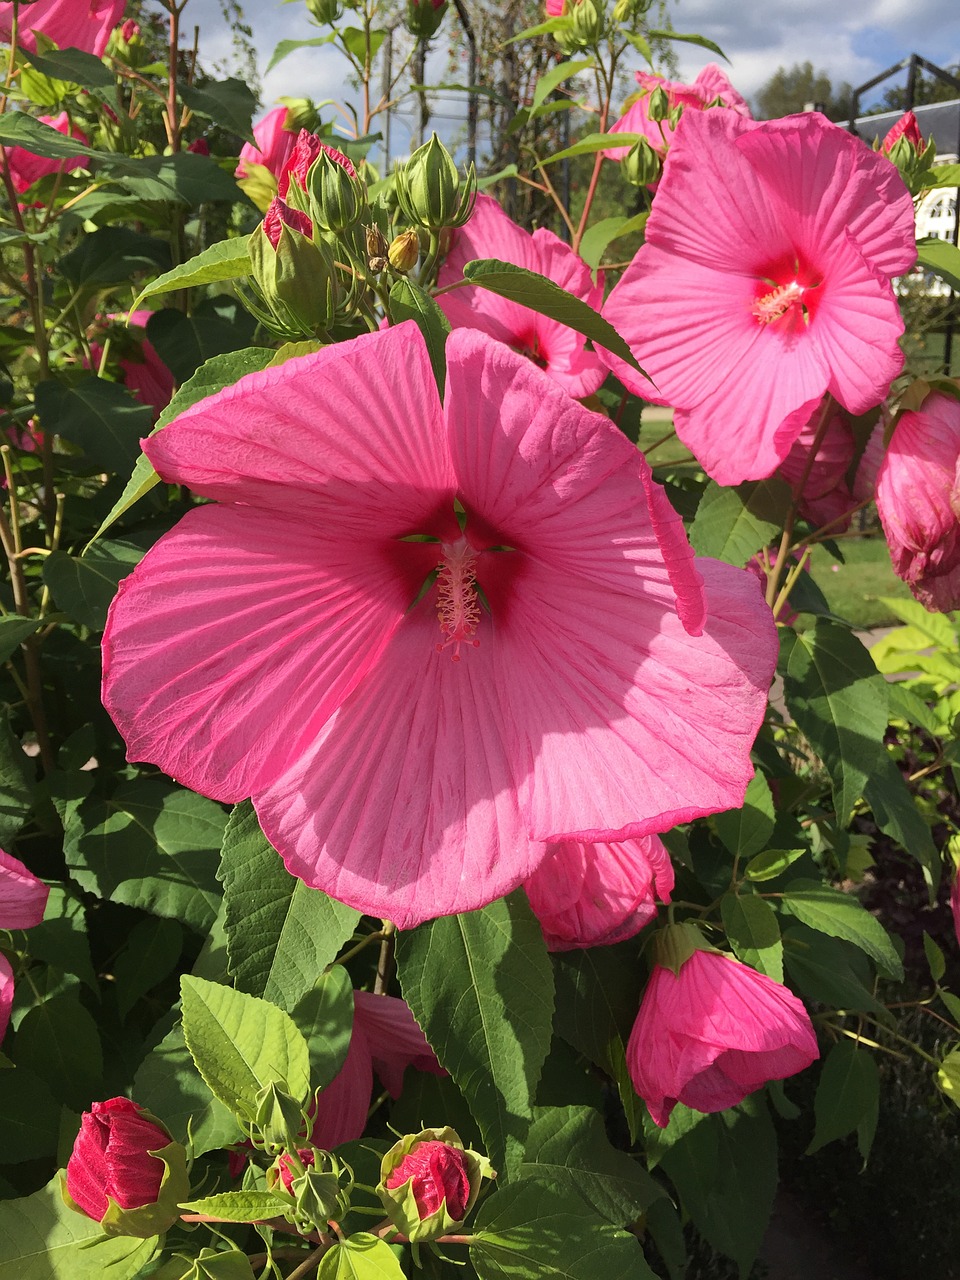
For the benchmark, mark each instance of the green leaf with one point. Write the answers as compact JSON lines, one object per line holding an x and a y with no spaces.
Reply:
{"x":771,"y":863}
{"x":602,"y":234}
{"x":212,"y":376}
{"x":58,"y":1042}
{"x":941,"y":257}
{"x":75,"y":66}
{"x":547,"y":82}
{"x":732,"y":524}
{"x":687,"y":38}
{"x":325,"y":1018}
{"x":225,"y":260}
{"x":29,"y":1119}
{"x":355,"y":40}
{"x":360,"y":1257}
{"x":151,"y":845}
{"x":840,"y":915}
{"x":832,"y":972}
{"x":18,"y":129}
{"x":569,"y":1147}
{"x":528,"y":1231}
{"x":290,"y":46}
{"x":41,"y":1239}
{"x":745,"y":831}
{"x":61,"y":939}
{"x":230,"y":103}
{"x":241,"y":1044}
{"x":944,"y":175}
{"x":83,"y":586}
{"x":751,"y":925}
{"x":409,"y":302}
{"x":171,"y":1088}
{"x":240,"y":1206}
{"x":899,"y":817}
{"x":598,"y":994}
{"x":185,"y":177}
{"x":935,"y":958}
{"x":533,"y":290}
{"x":13,"y":631}
{"x":112,"y":255}
{"x":591,"y":143}
{"x":280,"y":933}
{"x":657,"y":1142}
{"x":103,"y":418}
{"x":848,"y":1097}
{"x":184,"y":343}
{"x":17,"y":780}
{"x":725,"y":1170}
{"x":481,"y":987}
{"x":541,"y":29}
{"x":150,"y":954}
{"x":839,"y":701}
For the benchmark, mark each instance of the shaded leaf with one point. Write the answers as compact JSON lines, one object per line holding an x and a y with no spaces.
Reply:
{"x":84,"y":586}
{"x":840,"y":915}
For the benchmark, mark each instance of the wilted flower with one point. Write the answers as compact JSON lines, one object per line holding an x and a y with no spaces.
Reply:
{"x":588,"y":895}
{"x":429,"y":1182}
{"x":275,"y":142}
{"x":73,"y":24}
{"x":23,"y":900}
{"x":778,"y":290}
{"x":711,"y":87}
{"x":410,"y":746}
{"x":918,"y":501}
{"x":125,"y":1171}
{"x":555,"y":347}
{"x":26,"y":168}
{"x":712,"y":1033}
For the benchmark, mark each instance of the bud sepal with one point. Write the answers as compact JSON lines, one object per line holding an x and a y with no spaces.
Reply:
{"x":429,"y":1182}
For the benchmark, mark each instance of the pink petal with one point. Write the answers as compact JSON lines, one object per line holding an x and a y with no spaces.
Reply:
{"x":6,"y":994}
{"x":395,"y":1038}
{"x":406,"y":806}
{"x":221,"y":679}
{"x":340,"y":1113}
{"x":23,"y":898}
{"x":325,"y":445}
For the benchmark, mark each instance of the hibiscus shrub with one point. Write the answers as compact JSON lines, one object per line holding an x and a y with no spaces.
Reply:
{"x":432,"y":845}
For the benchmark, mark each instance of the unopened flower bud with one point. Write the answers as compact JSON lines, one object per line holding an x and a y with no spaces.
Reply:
{"x":296,"y":277}
{"x":337,"y":195}
{"x":424,"y":17}
{"x":430,"y":191}
{"x":325,"y":11}
{"x":589,"y":21}
{"x":125,"y":1171}
{"x":641,"y":166}
{"x":429,"y":1183}
{"x":280,"y":215}
{"x":318,"y":1182}
{"x":658,"y":105}
{"x":404,"y":251}
{"x":905,"y":148}
{"x":294,"y":172}
{"x":278,"y":1116}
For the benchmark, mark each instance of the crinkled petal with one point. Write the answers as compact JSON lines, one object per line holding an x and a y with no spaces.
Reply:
{"x":633,"y":724}
{"x":406,"y":805}
{"x":236,"y":638}
{"x":317,"y":439}
{"x":23,"y":898}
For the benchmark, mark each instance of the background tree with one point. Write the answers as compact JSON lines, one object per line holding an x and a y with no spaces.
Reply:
{"x":790,"y":90}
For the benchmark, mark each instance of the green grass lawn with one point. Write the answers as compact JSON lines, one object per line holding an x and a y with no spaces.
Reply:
{"x":854,"y":589}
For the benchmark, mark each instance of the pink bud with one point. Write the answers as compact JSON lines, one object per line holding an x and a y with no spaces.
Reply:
{"x":280,"y":215}
{"x":713,"y":1033}
{"x":907,"y":128}
{"x":130,"y":29}
{"x":199,"y":147}
{"x":436,"y":1172}
{"x":308,"y":147}
{"x":288,"y":1170}
{"x":555,"y":8}
{"x":111,"y":1158}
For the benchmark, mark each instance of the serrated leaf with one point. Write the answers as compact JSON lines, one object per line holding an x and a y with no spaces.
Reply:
{"x":751,"y":925}
{"x":732,"y":524}
{"x":848,"y":1096}
{"x":239,"y":1206}
{"x":41,"y":1239}
{"x":590,"y":143}
{"x":240,"y":1044}
{"x":325,"y":1018}
{"x":281,"y":934}
{"x":839,"y":700}
{"x":528,"y":1231}
{"x":18,"y":129}
{"x":29,"y":1118}
{"x":840,"y":915}
{"x":112,"y":255}
{"x":230,"y":103}
{"x":943,"y":175}
{"x":409,"y":302}
{"x":225,"y":260}
{"x":602,"y":234}
{"x":75,"y":66}
{"x":533,"y":290}
{"x":746,"y":830}
{"x":569,"y":1147}
{"x":688,"y":38}
{"x":832,"y":972}
{"x":481,"y":987}
{"x":103,"y":418}
{"x":169,"y":1085}
{"x":898,"y":816}
{"x":58,"y":1043}
{"x":286,"y":47}
{"x":771,"y":863}
{"x":361,"y":1257}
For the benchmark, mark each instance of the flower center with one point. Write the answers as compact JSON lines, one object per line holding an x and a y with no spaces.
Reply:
{"x":778,"y":302}
{"x":458,"y":604}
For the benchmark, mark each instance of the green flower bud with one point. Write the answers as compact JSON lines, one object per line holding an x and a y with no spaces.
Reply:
{"x":658,"y":105}
{"x":589,"y":21}
{"x":429,"y":1183}
{"x":325,"y":11}
{"x":319,"y":1183}
{"x":296,"y":277}
{"x":279,"y":1117}
{"x":430,"y":191}
{"x":641,"y":166}
{"x":337,"y":195}
{"x":424,"y":17}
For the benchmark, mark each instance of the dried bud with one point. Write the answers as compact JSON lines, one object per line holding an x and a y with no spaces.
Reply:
{"x":404,"y":251}
{"x":377,"y":246}
{"x":641,"y":166}
{"x":429,"y":1183}
{"x":424,"y":17}
{"x":125,"y":1171}
{"x":430,"y":191}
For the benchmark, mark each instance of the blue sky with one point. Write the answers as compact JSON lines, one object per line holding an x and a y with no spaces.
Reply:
{"x":849,"y":39}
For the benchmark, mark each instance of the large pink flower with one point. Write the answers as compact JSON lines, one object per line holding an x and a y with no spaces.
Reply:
{"x":73,"y":24}
{"x":23,"y":900}
{"x":710,"y":87}
{"x":588,"y":895}
{"x":26,"y":168}
{"x":275,"y":144}
{"x":714,"y":1033}
{"x":918,"y":501}
{"x":764,"y":282}
{"x":490,"y":233}
{"x":412,"y":745}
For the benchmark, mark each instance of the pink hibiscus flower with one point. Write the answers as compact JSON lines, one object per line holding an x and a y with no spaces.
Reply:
{"x":710,"y":86}
{"x":588,"y":895}
{"x":73,"y":24}
{"x":554,"y":347}
{"x":144,"y":373}
{"x":765,"y":280}
{"x":275,"y":144}
{"x":26,"y":168}
{"x":23,"y":900}
{"x":418,"y":708}
{"x":918,"y":501}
